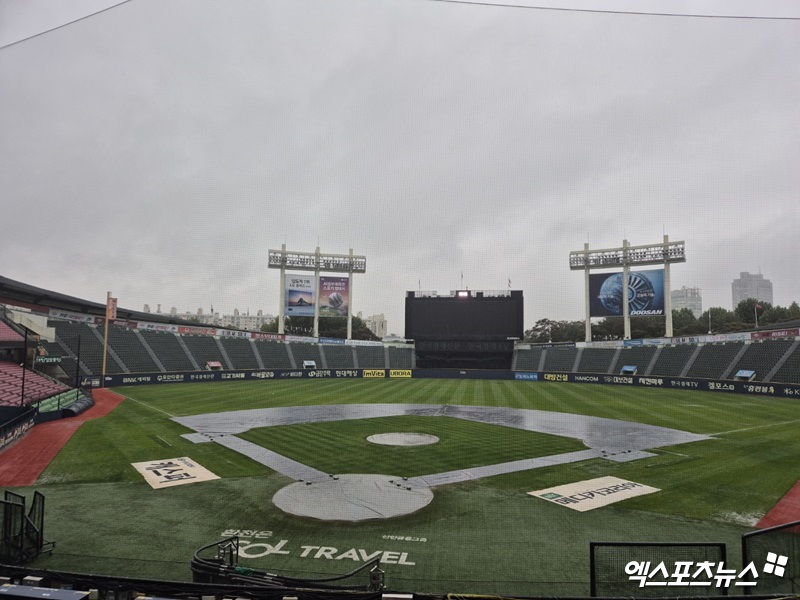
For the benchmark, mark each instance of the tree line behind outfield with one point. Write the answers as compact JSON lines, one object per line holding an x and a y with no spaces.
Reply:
{"x":331,"y":327}
{"x":684,"y":323}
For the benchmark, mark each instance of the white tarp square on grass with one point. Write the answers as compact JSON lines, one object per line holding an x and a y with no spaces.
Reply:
{"x":173,"y":471}
{"x":593,"y":493}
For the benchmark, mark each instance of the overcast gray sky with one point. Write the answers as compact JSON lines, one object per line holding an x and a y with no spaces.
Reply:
{"x":159,"y":149}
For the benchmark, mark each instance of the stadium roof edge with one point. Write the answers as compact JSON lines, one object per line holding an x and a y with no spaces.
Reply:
{"x":17,"y":293}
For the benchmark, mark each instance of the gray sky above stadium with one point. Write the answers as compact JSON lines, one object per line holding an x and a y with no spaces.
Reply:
{"x":159,"y":149}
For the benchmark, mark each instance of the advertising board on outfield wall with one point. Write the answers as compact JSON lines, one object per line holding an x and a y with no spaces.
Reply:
{"x":753,"y":388}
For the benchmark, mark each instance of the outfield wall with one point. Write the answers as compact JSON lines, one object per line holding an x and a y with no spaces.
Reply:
{"x":684,"y":383}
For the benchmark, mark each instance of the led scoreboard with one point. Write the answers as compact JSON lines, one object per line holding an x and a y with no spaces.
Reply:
{"x":464,"y":329}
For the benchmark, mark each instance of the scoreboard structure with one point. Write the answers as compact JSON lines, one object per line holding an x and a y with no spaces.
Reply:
{"x":464,"y":329}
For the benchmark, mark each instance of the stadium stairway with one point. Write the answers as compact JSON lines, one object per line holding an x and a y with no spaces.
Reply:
{"x":224,"y":354}
{"x":112,"y":354}
{"x":653,"y":361}
{"x":792,"y":351}
{"x":727,"y":372}
{"x":259,"y":360}
{"x":149,"y":350}
{"x":183,"y":345}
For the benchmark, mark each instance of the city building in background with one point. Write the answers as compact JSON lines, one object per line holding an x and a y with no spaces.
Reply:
{"x":237,"y":320}
{"x":687,"y":297}
{"x":751,"y":286}
{"x":376,"y":324}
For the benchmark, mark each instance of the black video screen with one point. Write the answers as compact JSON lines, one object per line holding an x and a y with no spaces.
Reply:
{"x":464,"y":318}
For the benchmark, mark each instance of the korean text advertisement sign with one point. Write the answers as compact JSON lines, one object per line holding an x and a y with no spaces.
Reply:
{"x":594,"y":493}
{"x":300,"y":296}
{"x":173,"y":471}
{"x":334,"y":296}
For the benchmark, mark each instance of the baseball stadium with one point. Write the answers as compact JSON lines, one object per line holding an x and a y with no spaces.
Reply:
{"x":144,"y":456}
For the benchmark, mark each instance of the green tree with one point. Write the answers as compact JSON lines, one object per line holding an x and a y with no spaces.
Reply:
{"x":540,"y":332}
{"x":270,"y":327}
{"x":746,"y":310}
{"x":332,"y":327}
{"x":685,"y":323}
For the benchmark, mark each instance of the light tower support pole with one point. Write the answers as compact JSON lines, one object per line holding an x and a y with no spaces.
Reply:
{"x":667,"y":290}
{"x":626,"y":316}
{"x":587,"y":299}
{"x":282,"y":299}
{"x":316,"y":292}
{"x":350,"y":299}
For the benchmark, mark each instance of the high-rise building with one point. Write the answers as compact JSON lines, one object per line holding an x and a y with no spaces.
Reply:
{"x":376,"y":324}
{"x":751,"y":286}
{"x":687,"y":297}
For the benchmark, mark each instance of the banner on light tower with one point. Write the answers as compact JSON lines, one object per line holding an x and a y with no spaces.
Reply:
{"x":645,"y":293}
{"x":334,"y":296}
{"x":300,"y":295}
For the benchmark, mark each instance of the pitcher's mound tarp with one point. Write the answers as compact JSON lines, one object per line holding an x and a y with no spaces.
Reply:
{"x":352,"y":498}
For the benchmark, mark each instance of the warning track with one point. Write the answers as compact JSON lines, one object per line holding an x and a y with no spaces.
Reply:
{"x":23,"y":462}
{"x":786,"y":510}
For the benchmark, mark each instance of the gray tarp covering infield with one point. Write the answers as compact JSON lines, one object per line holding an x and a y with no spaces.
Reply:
{"x":356,"y":497}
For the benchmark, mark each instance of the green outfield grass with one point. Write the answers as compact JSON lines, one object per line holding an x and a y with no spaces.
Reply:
{"x":484,"y":536}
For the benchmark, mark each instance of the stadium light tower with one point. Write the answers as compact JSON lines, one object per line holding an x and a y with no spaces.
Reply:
{"x":317,"y":262}
{"x":626,"y":257}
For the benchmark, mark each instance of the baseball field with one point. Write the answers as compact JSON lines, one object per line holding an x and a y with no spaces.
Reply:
{"x":479,"y":533}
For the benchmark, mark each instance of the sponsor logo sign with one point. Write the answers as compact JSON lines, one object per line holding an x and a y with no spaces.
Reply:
{"x":258,"y":335}
{"x":594,"y":493}
{"x":173,"y":378}
{"x":404,"y":373}
{"x":556,"y":377}
{"x":618,"y":379}
{"x":227,"y":333}
{"x":645,"y":293}
{"x":375,"y":373}
{"x":48,"y":359}
{"x":172,"y":471}
{"x":760,"y":335}
{"x":320,"y":373}
{"x":16,"y":433}
{"x":526,"y":376}
{"x":197,"y":330}
{"x":346,"y":373}
{"x":158,"y":327}
{"x":71,"y":316}
{"x":137,"y":379}
{"x":252,"y":544}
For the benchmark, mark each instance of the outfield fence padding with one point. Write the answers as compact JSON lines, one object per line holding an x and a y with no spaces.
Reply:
{"x":682,"y":383}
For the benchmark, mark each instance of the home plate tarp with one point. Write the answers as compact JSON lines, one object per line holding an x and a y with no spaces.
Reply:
{"x":173,"y":471}
{"x":594,"y":493}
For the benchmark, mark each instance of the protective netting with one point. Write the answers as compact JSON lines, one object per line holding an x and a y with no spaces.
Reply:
{"x":775,"y":553}
{"x":613,"y":573}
